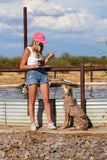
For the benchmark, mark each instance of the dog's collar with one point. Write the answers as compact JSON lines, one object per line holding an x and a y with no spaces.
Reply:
{"x":66,"y":97}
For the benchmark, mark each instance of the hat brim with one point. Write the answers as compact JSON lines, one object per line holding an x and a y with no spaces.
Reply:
{"x":44,"y":42}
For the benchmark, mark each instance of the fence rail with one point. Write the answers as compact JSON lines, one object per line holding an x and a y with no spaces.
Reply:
{"x":71,"y":68}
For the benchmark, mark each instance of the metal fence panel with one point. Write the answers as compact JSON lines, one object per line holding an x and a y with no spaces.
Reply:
{"x":2,"y":112}
{"x":14,"y":112}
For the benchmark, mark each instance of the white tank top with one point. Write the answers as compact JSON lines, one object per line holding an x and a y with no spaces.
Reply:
{"x":32,"y":59}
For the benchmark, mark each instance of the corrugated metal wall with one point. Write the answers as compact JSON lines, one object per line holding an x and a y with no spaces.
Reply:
{"x":14,"y":112}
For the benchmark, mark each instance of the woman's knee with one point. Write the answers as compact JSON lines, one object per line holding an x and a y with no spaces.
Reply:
{"x":46,"y":100}
{"x":32,"y":101}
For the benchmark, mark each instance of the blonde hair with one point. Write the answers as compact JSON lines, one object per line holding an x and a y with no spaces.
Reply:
{"x":37,"y":47}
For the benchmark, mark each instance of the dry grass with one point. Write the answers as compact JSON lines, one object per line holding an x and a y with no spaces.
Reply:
{"x":12,"y":78}
{"x":98,"y":76}
{"x":18,"y":78}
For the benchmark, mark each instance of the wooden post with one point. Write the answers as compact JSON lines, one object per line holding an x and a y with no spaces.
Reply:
{"x":82,"y":79}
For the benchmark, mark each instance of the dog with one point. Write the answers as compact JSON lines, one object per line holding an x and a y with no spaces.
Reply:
{"x":72,"y":109}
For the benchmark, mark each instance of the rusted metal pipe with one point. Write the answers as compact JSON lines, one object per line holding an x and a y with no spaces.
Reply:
{"x":25,"y":42}
{"x":25,"y":26}
{"x":54,"y":74}
{"x":91,"y":75}
{"x":72,"y":68}
{"x":82,"y":86}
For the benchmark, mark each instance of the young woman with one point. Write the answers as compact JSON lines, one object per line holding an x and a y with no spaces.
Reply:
{"x":32,"y":61}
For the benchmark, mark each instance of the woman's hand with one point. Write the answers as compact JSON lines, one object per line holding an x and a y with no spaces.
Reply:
{"x":37,"y":65}
{"x":51,"y":54}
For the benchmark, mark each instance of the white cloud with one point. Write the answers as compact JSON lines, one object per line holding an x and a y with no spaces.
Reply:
{"x":102,"y":24}
{"x":11,"y":13}
{"x":4,"y":26}
{"x":78,"y":21}
{"x":54,"y":16}
{"x":43,"y":7}
{"x":11,"y":9}
{"x":50,"y":16}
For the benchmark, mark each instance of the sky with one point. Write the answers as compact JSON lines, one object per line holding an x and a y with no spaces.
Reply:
{"x":74,"y":26}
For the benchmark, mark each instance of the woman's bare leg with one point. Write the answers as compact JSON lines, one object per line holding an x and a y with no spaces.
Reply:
{"x":45,"y":95}
{"x":32,"y":96}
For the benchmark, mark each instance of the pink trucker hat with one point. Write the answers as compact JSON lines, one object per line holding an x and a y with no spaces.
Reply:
{"x":39,"y":37}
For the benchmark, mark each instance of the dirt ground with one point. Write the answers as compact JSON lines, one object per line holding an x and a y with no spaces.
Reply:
{"x":19,"y":77}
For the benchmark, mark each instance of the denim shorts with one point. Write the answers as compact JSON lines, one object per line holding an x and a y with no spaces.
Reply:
{"x":37,"y":76}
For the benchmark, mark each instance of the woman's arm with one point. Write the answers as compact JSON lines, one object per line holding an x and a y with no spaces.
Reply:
{"x":51,"y":54}
{"x":23,"y":64}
